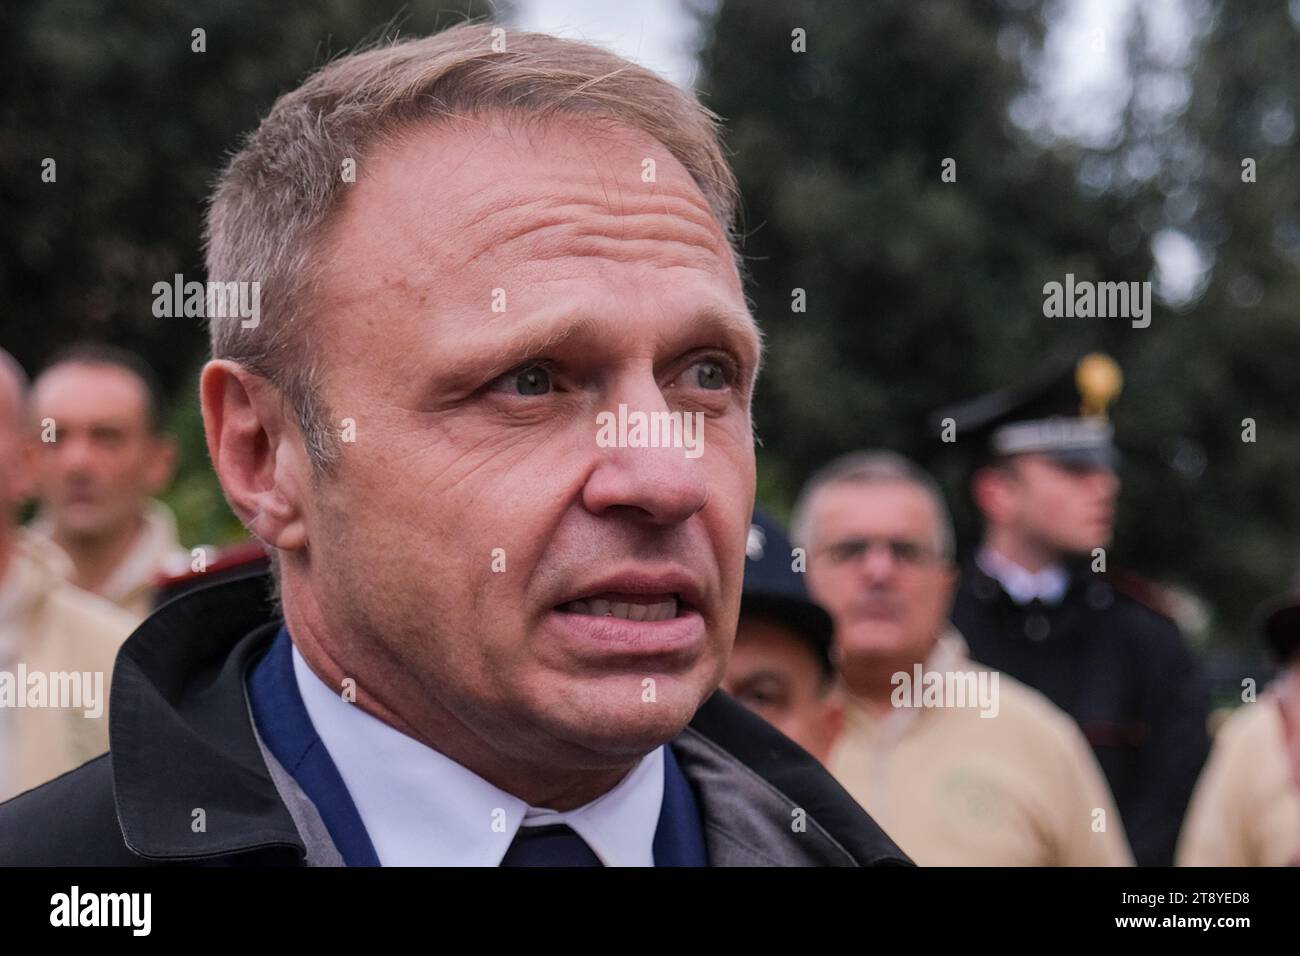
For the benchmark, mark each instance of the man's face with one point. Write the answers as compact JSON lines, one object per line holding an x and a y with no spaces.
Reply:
{"x":874,"y":564}
{"x":491,"y":291}
{"x":1058,"y":507}
{"x":15,"y":450}
{"x":774,"y":672}
{"x":105,"y":461}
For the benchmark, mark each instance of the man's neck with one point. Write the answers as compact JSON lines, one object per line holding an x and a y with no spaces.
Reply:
{"x":408,"y":708}
{"x":96,"y":557}
{"x":1027,"y":554}
{"x":870,"y":680}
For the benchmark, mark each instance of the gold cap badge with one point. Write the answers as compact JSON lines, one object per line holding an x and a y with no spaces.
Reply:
{"x":1100,"y":381}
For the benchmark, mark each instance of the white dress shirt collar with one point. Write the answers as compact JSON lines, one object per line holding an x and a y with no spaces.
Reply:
{"x":1048,"y":585}
{"x":421,"y":808}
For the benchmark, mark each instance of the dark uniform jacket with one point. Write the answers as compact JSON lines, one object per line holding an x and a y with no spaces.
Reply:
{"x":1122,"y":671}
{"x":182,"y":739}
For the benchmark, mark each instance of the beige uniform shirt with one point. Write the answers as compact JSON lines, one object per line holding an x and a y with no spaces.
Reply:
{"x":56,"y":637}
{"x":156,"y":550}
{"x":1245,"y":810}
{"x":954,"y":788}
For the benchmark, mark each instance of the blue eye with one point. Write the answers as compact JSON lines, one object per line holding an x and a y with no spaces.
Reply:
{"x":526,"y":380}
{"x":710,"y":375}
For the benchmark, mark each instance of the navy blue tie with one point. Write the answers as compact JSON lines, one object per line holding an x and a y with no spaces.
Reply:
{"x":552,"y":845}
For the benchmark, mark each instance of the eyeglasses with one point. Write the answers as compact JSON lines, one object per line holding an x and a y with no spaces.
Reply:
{"x":905,"y":553}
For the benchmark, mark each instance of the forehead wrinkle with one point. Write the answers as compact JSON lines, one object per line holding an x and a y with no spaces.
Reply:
{"x":549,"y":216}
{"x":558,"y":233}
{"x":600,"y":246}
{"x":698,"y":211}
{"x":667,"y":212}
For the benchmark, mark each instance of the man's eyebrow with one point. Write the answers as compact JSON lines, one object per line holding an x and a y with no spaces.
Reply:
{"x":98,"y":424}
{"x":738,"y":324}
{"x":518,"y":345}
{"x":764,"y":673}
{"x":492,"y":354}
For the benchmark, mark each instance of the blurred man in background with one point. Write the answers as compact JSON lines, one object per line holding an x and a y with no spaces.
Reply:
{"x":1245,"y":810}
{"x":47,"y":626}
{"x":1032,"y":604}
{"x":102,"y":457}
{"x":780,"y":665}
{"x":1000,"y":777}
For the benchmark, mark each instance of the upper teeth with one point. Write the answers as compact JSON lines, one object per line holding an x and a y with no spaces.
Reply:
{"x":626,"y":610}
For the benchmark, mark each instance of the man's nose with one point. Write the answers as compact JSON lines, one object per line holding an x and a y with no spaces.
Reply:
{"x":878,"y":565}
{"x":73,"y":453}
{"x":664,"y":485}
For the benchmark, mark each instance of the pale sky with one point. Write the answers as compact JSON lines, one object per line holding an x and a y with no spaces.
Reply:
{"x":658,"y":34}
{"x":1082,"y":83}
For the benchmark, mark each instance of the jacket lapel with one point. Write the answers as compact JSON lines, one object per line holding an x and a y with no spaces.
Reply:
{"x":193,"y":781}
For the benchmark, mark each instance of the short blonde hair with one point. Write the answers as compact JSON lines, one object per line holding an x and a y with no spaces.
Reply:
{"x":276,"y":197}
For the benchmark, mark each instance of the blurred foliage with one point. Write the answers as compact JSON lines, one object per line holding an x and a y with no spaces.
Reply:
{"x":139,"y":126}
{"x":921,"y":292}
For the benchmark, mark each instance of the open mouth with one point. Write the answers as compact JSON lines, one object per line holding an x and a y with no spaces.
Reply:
{"x":628,"y":607}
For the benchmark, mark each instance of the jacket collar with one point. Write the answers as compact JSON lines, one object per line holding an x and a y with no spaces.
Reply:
{"x":189,"y":779}
{"x":1047,"y":585}
{"x":192,"y":781}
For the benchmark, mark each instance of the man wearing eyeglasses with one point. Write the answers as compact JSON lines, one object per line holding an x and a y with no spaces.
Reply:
{"x":961,"y":766}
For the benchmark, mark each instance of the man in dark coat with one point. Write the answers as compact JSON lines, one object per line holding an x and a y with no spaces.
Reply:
{"x":1034,"y":601}
{"x":486,"y":398}
{"x":191,"y":777}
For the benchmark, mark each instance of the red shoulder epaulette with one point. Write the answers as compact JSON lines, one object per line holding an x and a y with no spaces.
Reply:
{"x":248,"y":552}
{"x":1140,"y":589}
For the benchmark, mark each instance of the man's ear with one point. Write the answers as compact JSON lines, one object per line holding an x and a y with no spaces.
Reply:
{"x":257,"y":452}
{"x":988,"y":489}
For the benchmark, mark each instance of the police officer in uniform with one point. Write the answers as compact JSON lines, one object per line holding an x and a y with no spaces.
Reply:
{"x":1035,"y":604}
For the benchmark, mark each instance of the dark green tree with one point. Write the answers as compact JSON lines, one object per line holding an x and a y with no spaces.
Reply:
{"x":920,"y":291}
{"x":138,"y":123}
{"x":1228,"y":180}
